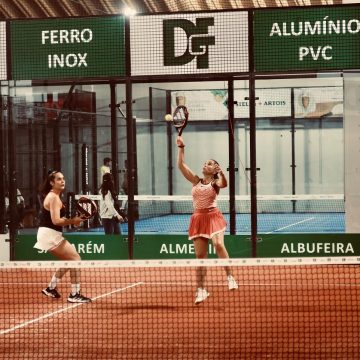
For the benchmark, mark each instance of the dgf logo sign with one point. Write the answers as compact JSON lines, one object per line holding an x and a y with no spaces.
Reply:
{"x":197,"y":42}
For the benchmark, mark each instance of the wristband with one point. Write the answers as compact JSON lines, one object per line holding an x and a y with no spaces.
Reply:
{"x":181,"y":146}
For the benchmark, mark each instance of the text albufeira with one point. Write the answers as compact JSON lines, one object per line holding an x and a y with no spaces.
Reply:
{"x":317,"y":248}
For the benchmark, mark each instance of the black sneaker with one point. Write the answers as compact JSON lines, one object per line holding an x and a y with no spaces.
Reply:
{"x":51,"y":292}
{"x":78,"y":298}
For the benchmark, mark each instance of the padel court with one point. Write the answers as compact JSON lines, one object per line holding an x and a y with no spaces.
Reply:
{"x":270,"y":98}
{"x":281,"y":310}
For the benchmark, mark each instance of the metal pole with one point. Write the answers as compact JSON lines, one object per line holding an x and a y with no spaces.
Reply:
{"x":293,"y":164}
{"x":2,"y":167}
{"x":152,"y":145}
{"x":13,"y":224}
{"x":253,"y":169}
{"x":131,"y":168}
{"x":169,"y":130}
{"x":130,"y":135}
{"x":114,"y":135}
{"x":231,"y":157}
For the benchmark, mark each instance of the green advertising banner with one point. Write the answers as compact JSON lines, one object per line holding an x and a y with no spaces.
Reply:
{"x":89,"y":246}
{"x":101,"y":247}
{"x":179,"y":247}
{"x":68,"y":48}
{"x":308,"y":245}
{"x":307,"y":39}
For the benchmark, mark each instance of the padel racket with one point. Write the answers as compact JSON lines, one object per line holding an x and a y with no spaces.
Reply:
{"x":86,"y":208}
{"x":180,"y":118}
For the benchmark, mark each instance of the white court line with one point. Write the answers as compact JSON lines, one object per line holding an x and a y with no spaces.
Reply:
{"x":82,"y":283}
{"x":285,"y":227}
{"x":224,"y":284}
{"x":48,"y":315}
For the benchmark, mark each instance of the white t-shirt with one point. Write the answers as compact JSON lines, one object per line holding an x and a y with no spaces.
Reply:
{"x":104,"y":169}
{"x":107,"y":209}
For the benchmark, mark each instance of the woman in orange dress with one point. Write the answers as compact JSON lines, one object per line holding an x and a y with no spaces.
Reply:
{"x":207,"y":222}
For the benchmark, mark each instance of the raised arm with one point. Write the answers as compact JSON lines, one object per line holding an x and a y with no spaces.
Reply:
{"x":221,"y":181}
{"x":185,"y":170}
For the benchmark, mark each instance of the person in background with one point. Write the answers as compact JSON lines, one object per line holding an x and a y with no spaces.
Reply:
{"x":50,"y":237}
{"x":207,"y":222}
{"x":124,"y":184}
{"x":110,"y":217}
{"x":20,"y":207}
{"x":105,"y":168}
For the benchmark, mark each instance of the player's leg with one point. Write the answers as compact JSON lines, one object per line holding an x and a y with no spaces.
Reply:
{"x":117,"y":230}
{"x":200,"y":245}
{"x":218,"y":243}
{"x":65,"y":251}
{"x":107,"y":224}
{"x":58,"y":252}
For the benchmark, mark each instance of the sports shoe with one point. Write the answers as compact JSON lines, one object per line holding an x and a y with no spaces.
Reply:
{"x":78,"y":298}
{"x":51,"y":292}
{"x":201,"y":295}
{"x":232,"y":283}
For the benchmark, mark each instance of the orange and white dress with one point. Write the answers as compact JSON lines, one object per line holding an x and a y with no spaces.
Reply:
{"x":207,"y":220}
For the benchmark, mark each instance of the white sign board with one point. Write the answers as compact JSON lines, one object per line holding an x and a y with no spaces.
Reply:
{"x":212,"y":104}
{"x":272,"y":103}
{"x":318,"y":102}
{"x":189,"y":43}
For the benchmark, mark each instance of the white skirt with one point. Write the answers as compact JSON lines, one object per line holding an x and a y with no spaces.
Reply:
{"x":48,"y":239}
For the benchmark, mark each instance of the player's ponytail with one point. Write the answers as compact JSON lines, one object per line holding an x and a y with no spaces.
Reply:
{"x":46,"y":186}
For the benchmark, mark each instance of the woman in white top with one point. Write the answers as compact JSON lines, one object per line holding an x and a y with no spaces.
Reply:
{"x":110,"y":218}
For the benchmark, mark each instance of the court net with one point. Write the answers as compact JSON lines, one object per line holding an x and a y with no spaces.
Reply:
{"x":281,"y":213}
{"x":157,"y":205}
{"x":283,"y":308}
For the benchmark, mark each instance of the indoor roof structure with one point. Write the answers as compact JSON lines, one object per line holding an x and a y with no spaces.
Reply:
{"x":20,"y":9}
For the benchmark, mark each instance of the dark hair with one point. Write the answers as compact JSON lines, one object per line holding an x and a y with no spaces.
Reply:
{"x":106,"y":160}
{"x":45,"y":187}
{"x":108,"y":185}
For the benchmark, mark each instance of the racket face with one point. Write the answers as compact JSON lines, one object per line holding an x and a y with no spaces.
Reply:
{"x":180,"y":118}
{"x":86,"y":207}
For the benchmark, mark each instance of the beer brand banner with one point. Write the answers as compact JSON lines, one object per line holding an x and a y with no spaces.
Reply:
{"x":212,"y":104}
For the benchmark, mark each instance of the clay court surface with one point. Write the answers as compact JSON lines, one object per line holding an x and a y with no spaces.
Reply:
{"x":278,"y":312}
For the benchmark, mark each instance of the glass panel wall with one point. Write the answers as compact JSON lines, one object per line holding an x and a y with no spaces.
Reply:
{"x":65,"y":128}
{"x":300,"y":155}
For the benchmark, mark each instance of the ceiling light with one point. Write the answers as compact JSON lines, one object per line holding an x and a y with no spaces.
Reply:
{"x":128,"y":11}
